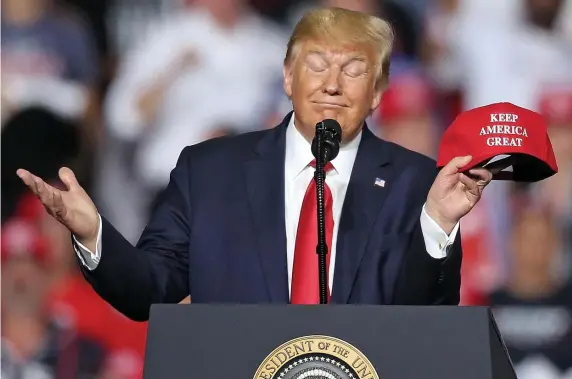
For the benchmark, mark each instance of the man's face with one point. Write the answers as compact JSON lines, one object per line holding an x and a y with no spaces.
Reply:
{"x":336,"y":82}
{"x":23,"y":286}
{"x":535,"y":242}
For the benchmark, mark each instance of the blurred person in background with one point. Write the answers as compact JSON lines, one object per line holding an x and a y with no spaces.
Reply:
{"x":36,"y":345}
{"x":95,"y":15}
{"x":480,"y":268}
{"x":534,"y":309}
{"x":556,"y":106}
{"x":519,"y":52}
{"x":57,"y":243}
{"x":434,"y":45}
{"x":565,"y":17}
{"x":69,"y":298}
{"x":208,"y":64}
{"x":521,"y":49}
{"x":406,"y":113}
{"x":405,"y":25}
{"x":49,"y":71}
{"x":127,"y":21}
{"x":556,"y":192}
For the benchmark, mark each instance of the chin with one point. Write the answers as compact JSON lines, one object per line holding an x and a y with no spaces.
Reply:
{"x":331,"y":113}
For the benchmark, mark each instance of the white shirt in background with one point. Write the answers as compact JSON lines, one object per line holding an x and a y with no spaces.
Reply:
{"x":235,"y":69}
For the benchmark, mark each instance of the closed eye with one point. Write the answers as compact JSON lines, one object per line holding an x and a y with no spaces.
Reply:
{"x":355,"y":68}
{"x":316,"y":62}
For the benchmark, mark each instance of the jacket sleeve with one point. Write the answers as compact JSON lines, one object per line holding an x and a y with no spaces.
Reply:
{"x":131,"y":278}
{"x":423,"y":279}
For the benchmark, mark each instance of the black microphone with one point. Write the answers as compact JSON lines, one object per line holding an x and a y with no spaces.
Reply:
{"x":325,"y":147}
{"x":330,"y":132}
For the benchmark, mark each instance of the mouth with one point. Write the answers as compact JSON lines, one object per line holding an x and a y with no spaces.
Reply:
{"x":330,"y":105}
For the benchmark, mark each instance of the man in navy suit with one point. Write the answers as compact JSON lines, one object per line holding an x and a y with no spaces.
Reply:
{"x":237,"y":220}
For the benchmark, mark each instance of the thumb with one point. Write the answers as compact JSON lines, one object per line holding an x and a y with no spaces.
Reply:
{"x":68,"y":178}
{"x":455,"y":164}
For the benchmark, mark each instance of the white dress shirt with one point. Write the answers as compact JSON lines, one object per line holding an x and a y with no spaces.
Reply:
{"x":298,"y":174}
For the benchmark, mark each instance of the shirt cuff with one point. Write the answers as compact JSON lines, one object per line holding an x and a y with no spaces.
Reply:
{"x":437,"y":242}
{"x":87,"y":258}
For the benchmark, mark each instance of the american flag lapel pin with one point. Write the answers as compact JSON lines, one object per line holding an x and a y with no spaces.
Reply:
{"x":379,"y":182}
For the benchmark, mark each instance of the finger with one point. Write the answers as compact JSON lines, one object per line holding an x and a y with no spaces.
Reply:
{"x":43,"y":192}
{"x":59,"y":203}
{"x":470,"y":184}
{"x":26,"y":176}
{"x":455,"y":164}
{"x":495,"y":170}
{"x":68,"y":178}
{"x":33,"y":185}
{"x":481,"y":175}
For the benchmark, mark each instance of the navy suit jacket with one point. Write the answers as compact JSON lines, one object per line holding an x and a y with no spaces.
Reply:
{"x":219,"y":235}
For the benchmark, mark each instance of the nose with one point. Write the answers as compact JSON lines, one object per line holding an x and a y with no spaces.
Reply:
{"x":333,"y":85}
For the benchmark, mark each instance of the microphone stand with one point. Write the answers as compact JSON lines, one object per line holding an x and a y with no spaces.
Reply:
{"x":322,"y":247}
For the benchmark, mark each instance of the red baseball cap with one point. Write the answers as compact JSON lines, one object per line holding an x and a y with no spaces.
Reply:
{"x":510,"y":140}
{"x":29,"y":207}
{"x":408,"y":94}
{"x":20,"y":239}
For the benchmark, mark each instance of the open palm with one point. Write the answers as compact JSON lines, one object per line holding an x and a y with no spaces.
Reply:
{"x":72,"y":207}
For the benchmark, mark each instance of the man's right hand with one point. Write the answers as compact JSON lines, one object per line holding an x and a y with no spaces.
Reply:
{"x":72,"y":207}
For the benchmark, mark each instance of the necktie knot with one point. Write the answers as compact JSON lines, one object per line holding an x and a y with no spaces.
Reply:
{"x":327,"y":168}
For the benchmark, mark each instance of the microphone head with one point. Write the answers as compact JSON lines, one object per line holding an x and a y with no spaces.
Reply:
{"x":332,"y":126}
{"x":331,"y":132}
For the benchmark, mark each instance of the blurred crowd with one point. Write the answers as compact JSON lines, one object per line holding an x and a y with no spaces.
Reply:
{"x":114,"y":89}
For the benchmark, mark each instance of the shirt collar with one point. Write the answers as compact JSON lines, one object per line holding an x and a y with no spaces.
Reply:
{"x":299,"y":153}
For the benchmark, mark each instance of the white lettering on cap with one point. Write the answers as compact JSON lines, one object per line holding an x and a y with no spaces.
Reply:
{"x":503,"y":117}
{"x":504,"y":129}
{"x":504,"y":141}
{"x":504,"y":134}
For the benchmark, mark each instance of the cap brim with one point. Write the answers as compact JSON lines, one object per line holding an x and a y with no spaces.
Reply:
{"x":525,"y":168}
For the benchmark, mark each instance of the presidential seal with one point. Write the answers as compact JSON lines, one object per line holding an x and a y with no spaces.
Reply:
{"x":316,"y":357}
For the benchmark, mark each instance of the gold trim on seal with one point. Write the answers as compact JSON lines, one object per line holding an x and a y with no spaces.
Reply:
{"x":316,"y":344}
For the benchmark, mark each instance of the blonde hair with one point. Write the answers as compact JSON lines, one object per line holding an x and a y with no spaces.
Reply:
{"x":340,"y":25}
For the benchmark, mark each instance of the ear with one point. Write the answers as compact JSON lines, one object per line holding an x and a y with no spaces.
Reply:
{"x":376,"y":100}
{"x":287,"y":72}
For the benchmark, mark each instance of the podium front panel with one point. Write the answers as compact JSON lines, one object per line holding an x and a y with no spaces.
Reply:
{"x":348,"y":341}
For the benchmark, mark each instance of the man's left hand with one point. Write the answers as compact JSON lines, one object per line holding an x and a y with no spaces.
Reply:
{"x":453,"y":193}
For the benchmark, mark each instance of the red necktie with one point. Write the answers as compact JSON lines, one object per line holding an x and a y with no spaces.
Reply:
{"x":305,"y":285}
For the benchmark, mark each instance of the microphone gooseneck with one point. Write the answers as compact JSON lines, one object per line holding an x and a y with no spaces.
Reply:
{"x":325,"y":147}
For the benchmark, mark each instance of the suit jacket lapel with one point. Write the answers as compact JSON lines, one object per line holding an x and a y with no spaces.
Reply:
{"x":264,"y":175}
{"x":362,"y":204}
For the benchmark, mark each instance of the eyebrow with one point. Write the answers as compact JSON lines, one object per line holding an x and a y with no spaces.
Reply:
{"x":356,"y":57}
